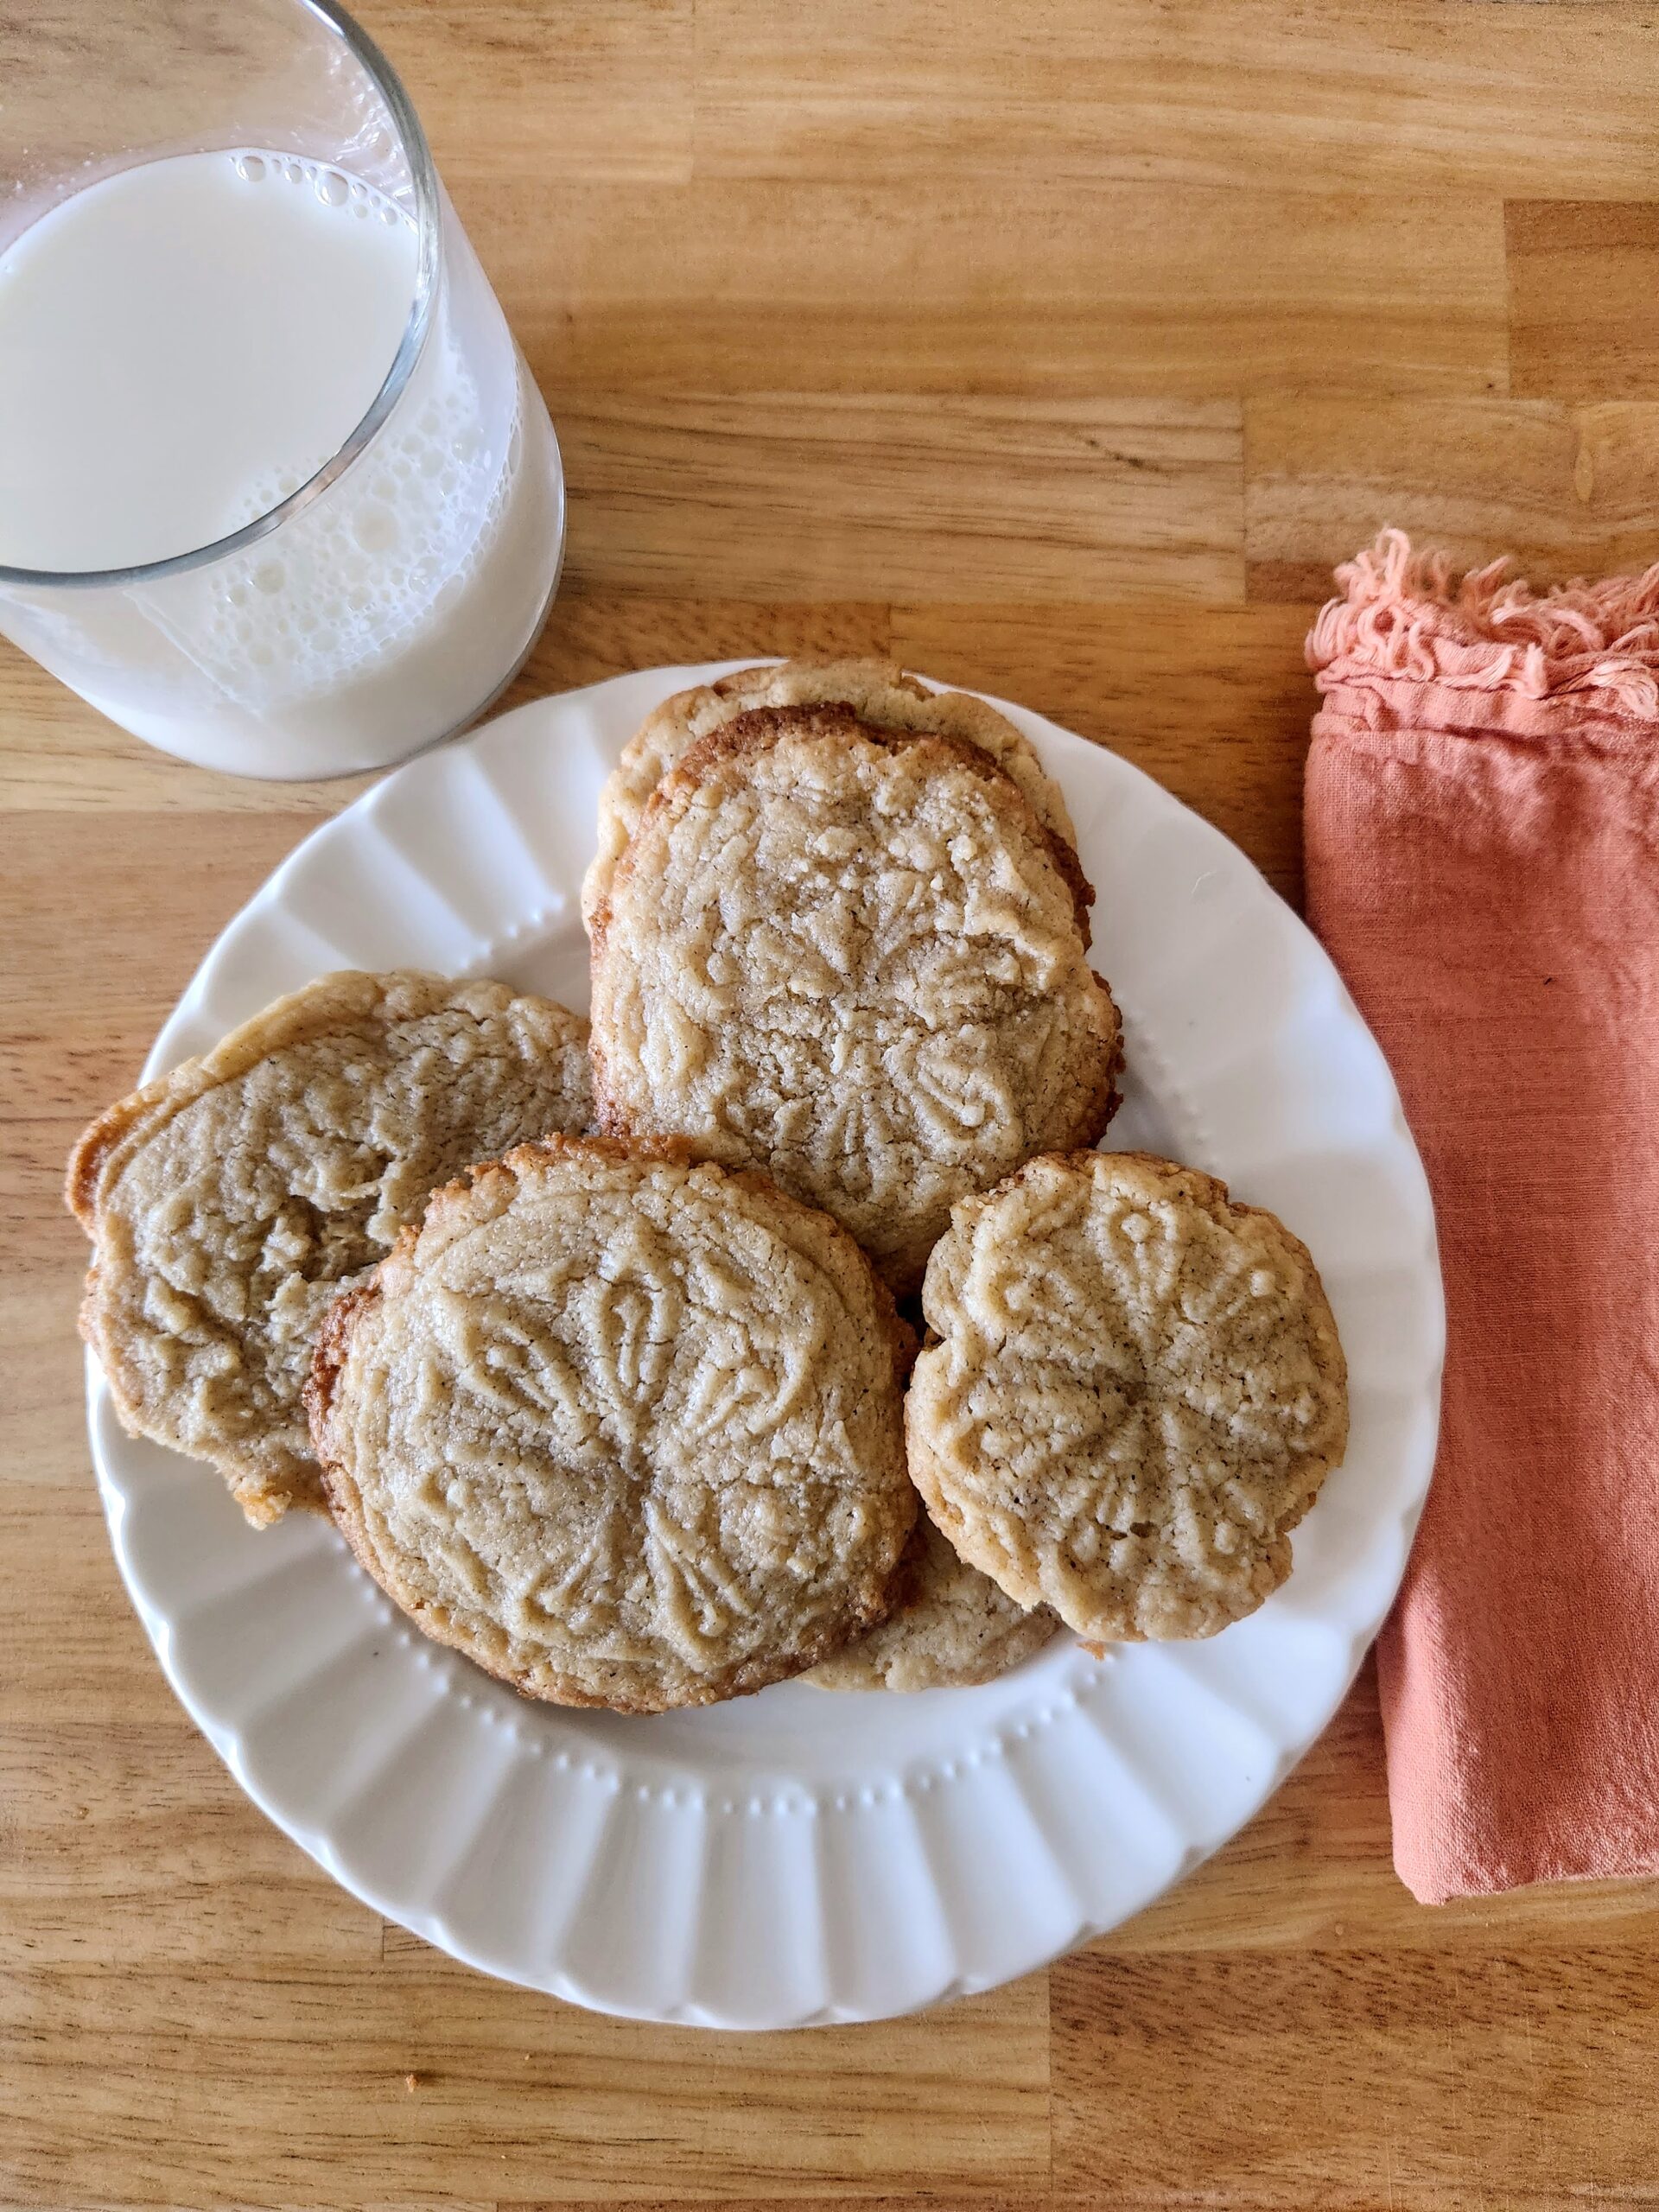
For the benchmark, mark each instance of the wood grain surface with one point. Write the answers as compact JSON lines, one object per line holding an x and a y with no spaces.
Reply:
{"x":1056,"y":347}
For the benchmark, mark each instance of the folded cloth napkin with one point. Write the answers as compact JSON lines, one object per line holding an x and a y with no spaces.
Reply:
{"x":1481,"y":823}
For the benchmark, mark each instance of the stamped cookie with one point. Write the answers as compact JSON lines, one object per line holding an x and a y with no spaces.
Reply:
{"x":852,"y":958}
{"x":951,"y":1628}
{"x":232,"y":1202}
{"x":625,"y":1429}
{"x":878,"y":692}
{"x":1135,"y":1395}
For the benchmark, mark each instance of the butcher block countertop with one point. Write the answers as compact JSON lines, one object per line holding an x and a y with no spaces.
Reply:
{"x":1056,"y":347}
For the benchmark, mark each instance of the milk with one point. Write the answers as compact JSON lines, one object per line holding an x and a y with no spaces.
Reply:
{"x":179,"y":334}
{"x":184,"y":344}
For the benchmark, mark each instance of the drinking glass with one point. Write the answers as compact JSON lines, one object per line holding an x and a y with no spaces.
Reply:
{"x":384,"y":601}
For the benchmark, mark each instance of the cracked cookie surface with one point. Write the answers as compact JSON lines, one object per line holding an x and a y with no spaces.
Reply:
{"x":624,"y":1428}
{"x":880,"y":693}
{"x":1136,"y":1393}
{"x":232,"y":1202}
{"x":951,"y":1628}
{"x":854,"y":959}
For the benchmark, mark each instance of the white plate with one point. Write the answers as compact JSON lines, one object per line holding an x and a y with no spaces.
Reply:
{"x":802,"y":1856}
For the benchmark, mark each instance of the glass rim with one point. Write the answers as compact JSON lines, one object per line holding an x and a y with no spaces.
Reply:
{"x":423,"y":179}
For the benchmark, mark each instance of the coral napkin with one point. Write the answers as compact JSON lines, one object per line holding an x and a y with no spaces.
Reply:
{"x":1482,"y":823}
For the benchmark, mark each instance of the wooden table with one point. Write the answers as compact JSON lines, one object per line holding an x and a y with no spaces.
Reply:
{"x":1057,"y":347}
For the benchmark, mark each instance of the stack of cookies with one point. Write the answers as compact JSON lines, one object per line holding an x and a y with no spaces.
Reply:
{"x":628,"y":1416}
{"x":840,"y":932}
{"x":231,"y":1204}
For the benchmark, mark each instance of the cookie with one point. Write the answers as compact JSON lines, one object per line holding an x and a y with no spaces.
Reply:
{"x":1137,"y":1391}
{"x":951,"y":1628}
{"x":625,"y":1429}
{"x":852,"y":958}
{"x":230,"y":1203}
{"x":880,"y":693}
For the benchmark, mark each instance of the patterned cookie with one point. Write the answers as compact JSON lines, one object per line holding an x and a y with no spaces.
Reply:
{"x":1136,"y":1394}
{"x":626,"y":1430}
{"x":854,"y":959}
{"x":951,"y":1628}
{"x":880,"y":694}
{"x":231,"y":1202}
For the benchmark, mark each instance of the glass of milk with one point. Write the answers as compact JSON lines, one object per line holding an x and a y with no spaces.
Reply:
{"x":277,"y":491}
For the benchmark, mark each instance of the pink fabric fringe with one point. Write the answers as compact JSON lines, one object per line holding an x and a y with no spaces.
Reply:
{"x":1586,"y":653}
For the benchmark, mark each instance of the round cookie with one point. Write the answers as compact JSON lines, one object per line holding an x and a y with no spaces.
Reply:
{"x":878,"y":692}
{"x":231,"y":1202}
{"x":625,"y":1429}
{"x":852,"y":958}
{"x":952,"y":1628}
{"x":1134,"y":1396}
